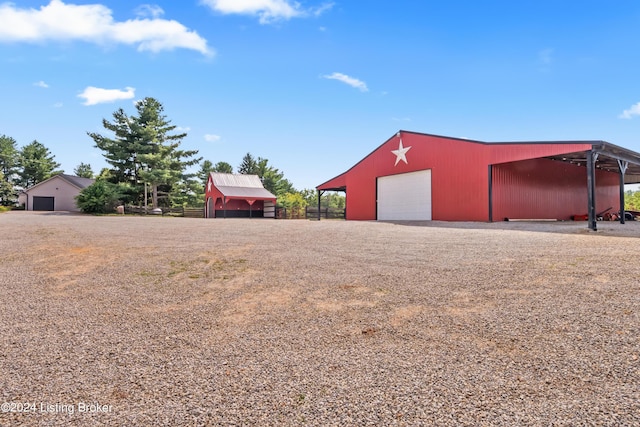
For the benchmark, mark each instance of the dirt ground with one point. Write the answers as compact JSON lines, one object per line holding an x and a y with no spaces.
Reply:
{"x":178,"y":321}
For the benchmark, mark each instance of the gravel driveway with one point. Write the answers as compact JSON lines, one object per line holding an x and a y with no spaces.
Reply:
{"x":175,"y":321}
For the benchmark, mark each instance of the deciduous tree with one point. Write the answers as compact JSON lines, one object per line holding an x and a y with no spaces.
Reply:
{"x":99,"y":197}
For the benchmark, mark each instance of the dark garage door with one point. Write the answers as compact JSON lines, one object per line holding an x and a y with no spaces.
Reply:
{"x":43,"y":203}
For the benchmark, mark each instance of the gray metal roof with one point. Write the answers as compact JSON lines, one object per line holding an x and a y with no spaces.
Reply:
{"x":77,"y":181}
{"x":240,"y":186}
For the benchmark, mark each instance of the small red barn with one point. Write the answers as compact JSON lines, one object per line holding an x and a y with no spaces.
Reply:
{"x":417,"y":176}
{"x":234,"y":195}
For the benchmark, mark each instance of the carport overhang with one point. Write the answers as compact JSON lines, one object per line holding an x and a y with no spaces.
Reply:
{"x":604,"y":156}
{"x":609,"y":157}
{"x":321,"y":189}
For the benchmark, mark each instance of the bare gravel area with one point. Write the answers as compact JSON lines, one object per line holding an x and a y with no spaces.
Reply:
{"x":151,"y":321}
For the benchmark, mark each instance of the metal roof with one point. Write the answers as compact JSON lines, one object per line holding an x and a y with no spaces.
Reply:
{"x":240,"y":186}
{"x":609,"y":155}
{"x":76,"y":181}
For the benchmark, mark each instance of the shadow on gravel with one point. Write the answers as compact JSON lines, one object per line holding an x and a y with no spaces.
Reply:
{"x":631,"y":229}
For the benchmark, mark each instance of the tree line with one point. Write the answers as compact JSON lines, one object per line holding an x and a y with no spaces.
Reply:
{"x":144,"y":154}
{"x":21,"y":168}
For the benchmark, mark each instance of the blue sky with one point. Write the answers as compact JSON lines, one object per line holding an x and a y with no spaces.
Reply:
{"x":314,"y":86}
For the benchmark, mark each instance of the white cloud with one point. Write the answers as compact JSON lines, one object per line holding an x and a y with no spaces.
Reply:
{"x":149,"y":10}
{"x":57,"y":105}
{"x":634,"y":110}
{"x":212,"y":138}
{"x":322,"y":8}
{"x":94,"y":23}
{"x":95,"y":95}
{"x":268,"y":11}
{"x":351,"y":81}
{"x":41,"y":84}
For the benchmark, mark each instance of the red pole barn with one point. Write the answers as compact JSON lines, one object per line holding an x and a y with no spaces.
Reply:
{"x":232,"y":196}
{"x":417,"y":176}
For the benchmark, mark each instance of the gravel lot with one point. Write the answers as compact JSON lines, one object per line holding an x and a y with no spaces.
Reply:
{"x":179,"y":321}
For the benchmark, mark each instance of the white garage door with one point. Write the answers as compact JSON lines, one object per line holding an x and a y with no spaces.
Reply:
{"x":405,"y":196}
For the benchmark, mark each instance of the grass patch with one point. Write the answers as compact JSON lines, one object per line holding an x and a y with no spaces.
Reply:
{"x":177,"y":268}
{"x":200,"y":267}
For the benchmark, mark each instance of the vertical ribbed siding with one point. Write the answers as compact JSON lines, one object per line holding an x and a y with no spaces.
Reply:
{"x":460,"y":183}
{"x":547,"y":189}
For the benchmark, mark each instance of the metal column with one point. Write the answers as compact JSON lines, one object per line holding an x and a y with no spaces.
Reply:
{"x":320,"y":192}
{"x":490,"y":193}
{"x":592,"y":157}
{"x":623,"y":165}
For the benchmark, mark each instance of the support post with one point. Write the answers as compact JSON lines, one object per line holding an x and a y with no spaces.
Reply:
{"x":622,"y":165}
{"x":591,"y":189}
{"x":224,"y":206}
{"x":490,"y":193}
{"x":319,"y":196}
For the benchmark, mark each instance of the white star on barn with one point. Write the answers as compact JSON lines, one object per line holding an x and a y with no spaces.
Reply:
{"x":401,"y":153}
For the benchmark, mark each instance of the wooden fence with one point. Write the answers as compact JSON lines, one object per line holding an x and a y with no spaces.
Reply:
{"x":310,"y":212}
{"x":326,"y":213}
{"x":179,"y":211}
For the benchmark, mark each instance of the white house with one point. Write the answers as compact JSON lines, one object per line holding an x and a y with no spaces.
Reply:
{"x":55,"y":194}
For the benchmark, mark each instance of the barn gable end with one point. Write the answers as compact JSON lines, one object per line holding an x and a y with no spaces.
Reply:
{"x":237,"y":195}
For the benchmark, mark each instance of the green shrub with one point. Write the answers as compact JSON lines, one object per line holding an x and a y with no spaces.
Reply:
{"x":99,"y":197}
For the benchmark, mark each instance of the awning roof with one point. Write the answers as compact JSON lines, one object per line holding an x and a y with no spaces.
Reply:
{"x":608,"y":157}
{"x":246,"y":193}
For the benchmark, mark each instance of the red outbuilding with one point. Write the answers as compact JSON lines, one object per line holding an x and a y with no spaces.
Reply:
{"x":229,"y":195}
{"x":417,"y":176}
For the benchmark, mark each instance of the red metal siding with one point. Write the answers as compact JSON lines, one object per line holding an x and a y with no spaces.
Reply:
{"x":457,"y":170}
{"x":503,"y":153}
{"x":460,"y":178}
{"x":241,"y":205}
{"x":547,"y":189}
{"x":211,"y":191}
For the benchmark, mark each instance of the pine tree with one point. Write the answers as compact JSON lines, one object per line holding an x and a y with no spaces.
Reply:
{"x":8,"y":170}
{"x":83,"y":170}
{"x":36,"y":163}
{"x":223,"y":167}
{"x":249,"y":166}
{"x":9,"y":157}
{"x":144,"y":150}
